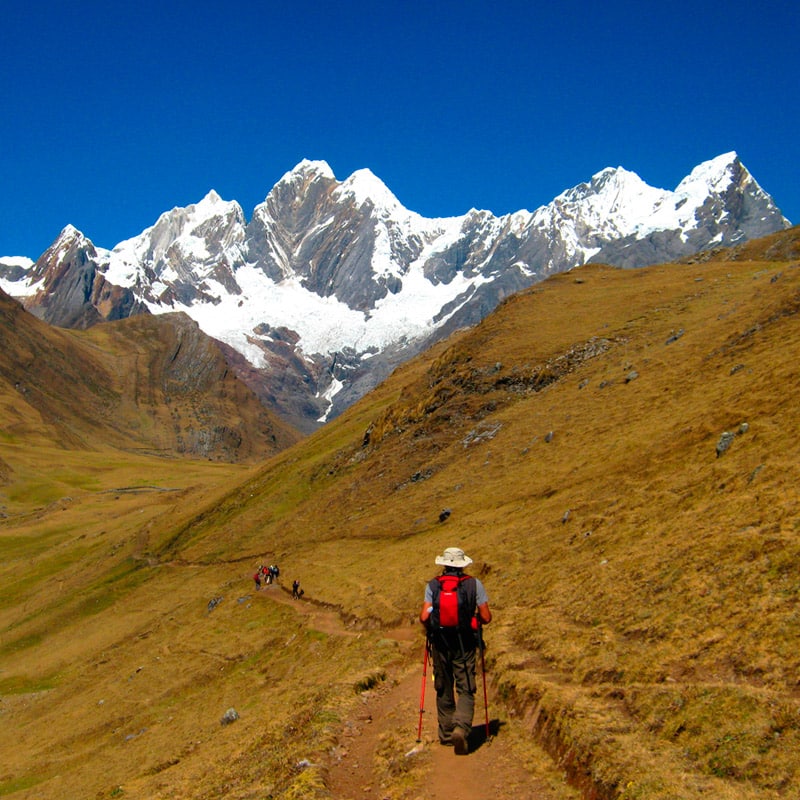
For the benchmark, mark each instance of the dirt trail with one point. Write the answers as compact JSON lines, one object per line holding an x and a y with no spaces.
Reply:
{"x":363,"y":767}
{"x":378,"y":756}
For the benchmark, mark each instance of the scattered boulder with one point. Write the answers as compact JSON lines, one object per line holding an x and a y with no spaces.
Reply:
{"x":727,"y":437}
{"x":725,"y":441}
{"x":230,"y":716}
{"x":444,"y":514}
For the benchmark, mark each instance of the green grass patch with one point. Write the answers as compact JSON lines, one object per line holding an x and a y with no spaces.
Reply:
{"x":22,"y":643}
{"x":61,"y":613}
{"x":41,"y":573}
{"x":20,"y":784}
{"x":115,"y":584}
{"x":19,"y":684}
{"x":34,"y":493}
{"x":28,"y":547}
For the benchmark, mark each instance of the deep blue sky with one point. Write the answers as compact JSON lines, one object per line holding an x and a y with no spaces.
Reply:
{"x":113,"y":113}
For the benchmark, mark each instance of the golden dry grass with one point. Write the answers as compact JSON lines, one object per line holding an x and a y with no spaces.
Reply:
{"x":645,"y":588}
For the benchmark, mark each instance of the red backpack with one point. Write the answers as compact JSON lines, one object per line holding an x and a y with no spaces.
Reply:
{"x":453,"y":599}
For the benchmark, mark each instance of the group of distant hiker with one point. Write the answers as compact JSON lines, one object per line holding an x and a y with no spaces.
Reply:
{"x":266,"y":575}
{"x":269,"y":574}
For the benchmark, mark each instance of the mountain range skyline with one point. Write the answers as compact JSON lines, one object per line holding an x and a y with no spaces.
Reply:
{"x":367,"y":186}
{"x":454,"y":105}
{"x":365,"y":182}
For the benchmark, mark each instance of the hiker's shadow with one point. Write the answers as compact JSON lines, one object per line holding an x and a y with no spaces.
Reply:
{"x":478,"y":736}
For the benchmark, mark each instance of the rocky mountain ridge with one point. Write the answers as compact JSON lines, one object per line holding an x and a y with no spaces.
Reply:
{"x":331,"y":284}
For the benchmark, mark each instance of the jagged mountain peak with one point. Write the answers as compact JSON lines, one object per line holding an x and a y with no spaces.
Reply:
{"x":361,"y":187}
{"x":184,"y":231}
{"x":297,"y":189}
{"x":312,"y":166}
{"x":366,"y":187}
{"x":614,"y":176}
{"x":69,"y":231}
{"x":67,"y":244}
{"x":69,"y":236}
{"x":306,"y":172}
{"x":713,"y":176}
{"x":715,"y":170}
{"x":614,"y":194}
{"x":211,"y":206}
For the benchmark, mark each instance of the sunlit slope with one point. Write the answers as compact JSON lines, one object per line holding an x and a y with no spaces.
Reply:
{"x":645,"y":583}
{"x":643,"y":576}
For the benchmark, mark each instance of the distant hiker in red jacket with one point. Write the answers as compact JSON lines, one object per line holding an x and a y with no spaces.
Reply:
{"x":257,"y":577}
{"x":455,"y":605}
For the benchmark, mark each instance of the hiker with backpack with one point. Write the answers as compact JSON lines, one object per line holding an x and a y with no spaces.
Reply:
{"x":456,"y":605}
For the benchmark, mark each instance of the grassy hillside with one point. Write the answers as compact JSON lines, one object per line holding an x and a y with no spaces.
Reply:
{"x":642,"y":565}
{"x":149,"y":384}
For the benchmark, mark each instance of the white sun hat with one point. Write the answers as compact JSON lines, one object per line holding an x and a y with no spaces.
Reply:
{"x":453,"y":557}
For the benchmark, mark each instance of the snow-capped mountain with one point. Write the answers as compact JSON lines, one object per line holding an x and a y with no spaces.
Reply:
{"x":331,"y":284}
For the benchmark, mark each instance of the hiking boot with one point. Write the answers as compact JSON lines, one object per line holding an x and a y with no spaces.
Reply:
{"x":459,"y":739}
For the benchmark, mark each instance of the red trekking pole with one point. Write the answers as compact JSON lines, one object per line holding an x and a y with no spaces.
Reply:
{"x":483,"y":670}
{"x":422,"y":691}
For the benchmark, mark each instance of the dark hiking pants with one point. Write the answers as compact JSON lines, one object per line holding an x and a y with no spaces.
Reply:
{"x":454,"y":680}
